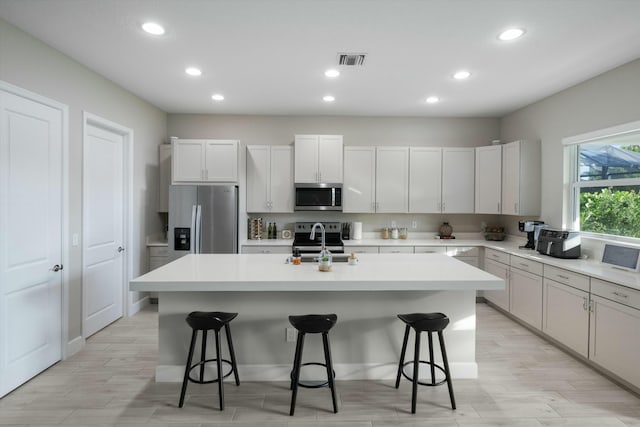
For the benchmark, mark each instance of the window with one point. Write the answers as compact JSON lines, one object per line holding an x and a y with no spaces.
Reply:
{"x":606,"y":184}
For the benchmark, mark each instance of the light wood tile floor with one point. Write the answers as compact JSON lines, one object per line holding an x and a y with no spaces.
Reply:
{"x":523,"y":381}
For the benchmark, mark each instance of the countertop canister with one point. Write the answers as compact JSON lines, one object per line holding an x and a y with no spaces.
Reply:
{"x":357,"y":231}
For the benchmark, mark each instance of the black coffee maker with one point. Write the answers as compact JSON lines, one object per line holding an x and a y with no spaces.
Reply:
{"x":532,"y":228}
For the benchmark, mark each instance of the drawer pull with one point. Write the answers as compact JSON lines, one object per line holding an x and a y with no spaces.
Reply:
{"x":618,"y":294}
{"x":523,"y":264}
{"x":563,"y":277}
{"x":495,"y":256}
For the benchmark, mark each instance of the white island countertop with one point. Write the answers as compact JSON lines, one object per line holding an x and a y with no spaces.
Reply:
{"x":270,"y":273}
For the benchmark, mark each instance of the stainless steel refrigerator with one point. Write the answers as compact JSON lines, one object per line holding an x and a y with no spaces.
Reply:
{"x":203,"y":219}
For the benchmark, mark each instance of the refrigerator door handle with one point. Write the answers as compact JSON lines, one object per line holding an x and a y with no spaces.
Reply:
{"x":199,"y":229}
{"x":192,"y":246}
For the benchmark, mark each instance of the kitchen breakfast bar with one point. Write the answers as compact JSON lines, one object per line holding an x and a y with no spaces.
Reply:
{"x":264,"y":290}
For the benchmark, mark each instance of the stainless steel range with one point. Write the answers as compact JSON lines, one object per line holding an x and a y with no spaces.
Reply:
{"x":302,"y":238}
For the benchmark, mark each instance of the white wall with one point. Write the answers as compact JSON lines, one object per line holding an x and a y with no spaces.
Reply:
{"x":32,"y":65}
{"x":410,"y":131}
{"x":607,"y":100}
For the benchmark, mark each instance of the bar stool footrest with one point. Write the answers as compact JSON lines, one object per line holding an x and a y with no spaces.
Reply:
{"x":423,"y":383}
{"x":197,"y":381}
{"x":311,"y":385}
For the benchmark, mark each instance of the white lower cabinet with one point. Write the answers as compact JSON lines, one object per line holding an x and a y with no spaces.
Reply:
{"x":614,"y":339}
{"x":430,"y":250}
{"x":565,"y":315}
{"x":361,"y":249}
{"x":501,"y":270}
{"x":525,"y":296}
{"x":266,"y":249}
{"x":396,"y":249}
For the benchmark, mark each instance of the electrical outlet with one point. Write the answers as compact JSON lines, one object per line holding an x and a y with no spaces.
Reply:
{"x":290,"y":335}
{"x":414,"y":224}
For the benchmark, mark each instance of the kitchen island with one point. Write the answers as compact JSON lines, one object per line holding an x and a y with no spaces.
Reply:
{"x":264,"y":290}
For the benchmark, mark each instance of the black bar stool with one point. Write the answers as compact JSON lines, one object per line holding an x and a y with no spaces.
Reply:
{"x":425,"y":322}
{"x":206,"y":321}
{"x":312,"y":324}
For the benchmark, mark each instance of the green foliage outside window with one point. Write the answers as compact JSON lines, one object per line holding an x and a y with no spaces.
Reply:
{"x":611,"y":212}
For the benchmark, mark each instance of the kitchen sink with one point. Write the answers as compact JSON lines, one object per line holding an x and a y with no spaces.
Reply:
{"x":335,"y":258}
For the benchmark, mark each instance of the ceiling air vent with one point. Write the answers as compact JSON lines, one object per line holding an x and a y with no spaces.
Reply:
{"x":351,"y":59}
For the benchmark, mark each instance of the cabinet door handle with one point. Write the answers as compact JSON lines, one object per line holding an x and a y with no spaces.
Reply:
{"x":618,"y":294}
{"x":585,"y":304}
{"x":498,"y":210}
{"x":592,"y":306}
{"x":515,"y":207}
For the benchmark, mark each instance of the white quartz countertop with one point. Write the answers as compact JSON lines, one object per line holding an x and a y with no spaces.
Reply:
{"x":269,"y":273}
{"x":589,"y":267}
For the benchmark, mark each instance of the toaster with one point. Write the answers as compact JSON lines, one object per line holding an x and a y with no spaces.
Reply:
{"x":559,"y":243}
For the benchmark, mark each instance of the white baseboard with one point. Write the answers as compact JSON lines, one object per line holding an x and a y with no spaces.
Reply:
{"x":74,"y":346}
{"x":174,"y":373}
{"x":135,"y":307}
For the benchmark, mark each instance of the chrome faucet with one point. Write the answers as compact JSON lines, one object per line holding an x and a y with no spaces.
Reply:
{"x":313,"y":233}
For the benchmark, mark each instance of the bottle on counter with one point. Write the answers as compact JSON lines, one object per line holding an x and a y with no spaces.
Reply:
{"x":394,"y":233}
{"x":297,"y":258}
{"x":274,"y":232}
{"x":385,"y":233}
{"x":270,"y":231}
{"x":404,"y":233}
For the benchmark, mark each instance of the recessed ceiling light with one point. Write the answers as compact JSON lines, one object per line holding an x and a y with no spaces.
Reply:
{"x":332,"y":73}
{"x":328,"y":98}
{"x":153,"y":28}
{"x":432,"y":100}
{"x":461,"y":75}
{"x":217,"y":97}
{"x":511,"y":34}
{"x":193,"y":71}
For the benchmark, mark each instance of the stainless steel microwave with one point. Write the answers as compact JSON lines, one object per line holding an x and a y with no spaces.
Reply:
{"x":318,"y":197}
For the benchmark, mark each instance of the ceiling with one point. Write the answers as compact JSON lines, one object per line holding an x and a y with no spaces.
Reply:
{"x":269,"y":56}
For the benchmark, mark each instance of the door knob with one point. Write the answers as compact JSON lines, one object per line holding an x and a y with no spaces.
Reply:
{"x":57,"y":268}
{"x":120,"y":249}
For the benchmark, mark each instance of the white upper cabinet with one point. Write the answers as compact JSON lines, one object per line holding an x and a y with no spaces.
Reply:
{"x":375,"y":179}
{"x":425,"y":179}
{"x":204,"y":160}
{"x":458,"y":177}
{"x":359,"y":188}
{"x":488,"y":179}
{"x":521,"y":178}
{"x":392,"y":179}
{"x":441,"y":180}
{"x":318,"y":159}
{"x":269,"y":178}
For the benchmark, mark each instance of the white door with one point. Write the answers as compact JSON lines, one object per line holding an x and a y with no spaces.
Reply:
{"x":221,"y":161}
{"x":488,"y":179}
{"x":458,"y":180}
{"x":425,"y":180}
{"x":258,"y":178}
{"x":281,"y":178}
{"x":358,"y":191}
{"x":30,"y":238}
{"x":103,"y":232}
{"x":511,"y":178}
{"x":330,"y":158}
{"x":392,"y":179}
{"x":306,"y":158}
{"x":187,"y":161}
